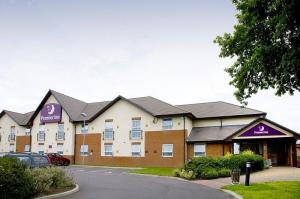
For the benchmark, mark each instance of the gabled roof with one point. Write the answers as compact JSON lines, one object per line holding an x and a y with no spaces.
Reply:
{"x":218,"y":110}
{"x":20,"y":118}
{"x":297,"y":136}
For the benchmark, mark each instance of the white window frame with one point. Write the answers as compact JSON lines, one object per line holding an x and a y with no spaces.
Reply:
{"x":165,"y":152}
{"x":84,"y":150}
{"x":27,"y":131}
{"x":11,"y":148}
{"x":236,"y":148}
{"x":60,"y":148}
{"x":200,"y":150}
{"x":167,"y":123}
{"x":108,"y":131}
{"x":136,"y":132}
{"x":41,"y":148}
{"x":84,"y":128}
{"x":108,"y":152}
{"x":26,"y":148}
{"x":60,"y":131}
{"x":136,"y":150}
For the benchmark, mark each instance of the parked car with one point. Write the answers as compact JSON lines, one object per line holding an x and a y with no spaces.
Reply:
{"x":58,"y":159}
{"x":31,"y":160}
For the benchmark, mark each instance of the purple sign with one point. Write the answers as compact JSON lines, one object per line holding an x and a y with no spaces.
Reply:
{"x":51,"y":113}
{"x":261,"y":130}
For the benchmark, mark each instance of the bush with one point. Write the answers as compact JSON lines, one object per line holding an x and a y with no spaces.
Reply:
{"x":209,"y":173}
{"x":14,"y":181}
{"x":176,"y":173}
{"x":223,"y":165}
{"x":187,"y":174}
{"x":45,"y":179}
{"x":224,"y":172}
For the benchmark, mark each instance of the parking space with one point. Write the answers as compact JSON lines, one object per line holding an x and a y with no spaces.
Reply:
{"x":114,"y":183}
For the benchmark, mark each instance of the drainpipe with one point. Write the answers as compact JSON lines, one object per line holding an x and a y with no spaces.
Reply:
{"x":184,"y":141}
{"x":75,"y":144}
{"x":30,"y":142}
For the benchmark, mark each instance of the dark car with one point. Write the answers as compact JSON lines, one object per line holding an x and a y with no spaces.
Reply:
{"x":31,"y":160}
{"x":58,"y":159}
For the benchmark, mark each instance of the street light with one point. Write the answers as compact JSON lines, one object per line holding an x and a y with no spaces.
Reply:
{"x":84,"y":115}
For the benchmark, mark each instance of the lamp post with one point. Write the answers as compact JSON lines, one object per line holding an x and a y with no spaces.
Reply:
{"x":84,"y":115}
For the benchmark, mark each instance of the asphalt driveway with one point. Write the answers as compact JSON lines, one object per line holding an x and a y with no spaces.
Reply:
{"x":108,"y":183}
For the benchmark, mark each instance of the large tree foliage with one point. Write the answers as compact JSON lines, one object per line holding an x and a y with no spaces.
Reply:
{"x":266,"y":46}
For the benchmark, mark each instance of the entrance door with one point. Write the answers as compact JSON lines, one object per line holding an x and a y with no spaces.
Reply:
{"x":278,"y":152}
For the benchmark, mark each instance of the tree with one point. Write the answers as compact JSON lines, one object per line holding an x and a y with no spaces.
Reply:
{"x":266,"y":46}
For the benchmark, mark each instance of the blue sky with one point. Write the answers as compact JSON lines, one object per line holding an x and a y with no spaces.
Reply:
{"x":96,"y":50}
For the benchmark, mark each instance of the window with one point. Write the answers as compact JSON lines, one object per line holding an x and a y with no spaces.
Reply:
{"x":236,"y":148}
{"x":11,"y":148}
{"x":136,"y":150}
{"x":12,"y":135}
{"x":167,"y":150}
{"x":13,"y":130}
{"x":27,"y":131}
{"x":84,"y":128}
{"x":167,"y":123}
{"x":60,"y":148}
{"x":84,"y":150}
{"x":108,"y":150}
{"x":26,"y":148}
{"x":136,"y":132}
{"x":60,"y":133}
{"x":41,"y":148}
{"x":42,"y":128}
{"x":108,"y":131}
{"x":199,"y":150}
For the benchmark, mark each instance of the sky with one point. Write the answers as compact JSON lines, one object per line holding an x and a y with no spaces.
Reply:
{"x":97,"y":50}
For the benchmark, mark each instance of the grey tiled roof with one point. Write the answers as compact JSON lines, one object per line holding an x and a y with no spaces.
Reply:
{"x":19,"y":118}
{"x":218,"y":109}
{"x":212,"y":133}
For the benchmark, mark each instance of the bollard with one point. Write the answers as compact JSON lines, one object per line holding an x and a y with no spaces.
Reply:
{"x":248,"y":170}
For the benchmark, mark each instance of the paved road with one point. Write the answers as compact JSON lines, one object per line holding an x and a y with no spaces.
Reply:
{"x":107,"y":183}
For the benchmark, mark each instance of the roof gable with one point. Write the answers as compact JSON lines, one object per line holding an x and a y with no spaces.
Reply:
{"x":20,"y":118}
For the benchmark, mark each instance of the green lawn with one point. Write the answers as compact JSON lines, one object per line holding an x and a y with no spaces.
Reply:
{"x":154,"y":171}
{"x":272,"y":190}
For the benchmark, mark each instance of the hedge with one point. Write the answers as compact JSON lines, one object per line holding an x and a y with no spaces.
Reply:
{"x":209,"y":167}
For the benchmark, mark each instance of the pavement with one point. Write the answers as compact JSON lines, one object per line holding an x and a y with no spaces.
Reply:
{"x":267,"y":175}
{"x":116,"y":183}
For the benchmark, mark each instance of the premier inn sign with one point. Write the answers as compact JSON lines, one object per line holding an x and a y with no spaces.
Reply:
{"x":51,"y":113}
{"x":261,"y":129}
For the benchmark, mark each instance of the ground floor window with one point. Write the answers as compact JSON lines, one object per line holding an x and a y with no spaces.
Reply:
{"x":136,"y":150}
{"x":11,"y":148}
{"x":167,"y":150}
{"x":41,"y":148}
{"x":26,"y":148}
{"x":108,"y":150}
{"x":84,"y":149}
{"x":199,"y":150}
{"x":60,"y":148}
{"x":236,"y":148}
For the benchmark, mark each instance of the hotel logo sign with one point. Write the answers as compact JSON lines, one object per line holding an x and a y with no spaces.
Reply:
{"x":261,"y":130}
{"x":51,"y":113}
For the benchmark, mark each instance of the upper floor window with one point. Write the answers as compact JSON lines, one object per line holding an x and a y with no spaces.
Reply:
{"x":167,"y":123}
{"x":60,"y":133}
{"x":199,"y":150}
{"x":41,"y":135}
{"x":108,"y":131}
{"x":13,"y":130}
{"x":42,"y":128}
{"x":84,"y":127}
{"x":136,"y":132}
{"x":27,"y":131}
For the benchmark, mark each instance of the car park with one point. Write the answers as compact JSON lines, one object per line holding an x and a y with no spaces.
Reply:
{"x":57,"y":159}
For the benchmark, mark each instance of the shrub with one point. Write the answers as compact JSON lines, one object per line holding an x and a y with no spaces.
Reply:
{"x":209,"y":173}
{"x":224,"y":172}
{"x":44,"y":179}
{"x":176,"y":173}
{"x":14,"y":181}
{"x":186,"y":174}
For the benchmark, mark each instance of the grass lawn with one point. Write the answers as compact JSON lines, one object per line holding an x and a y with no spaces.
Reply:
{"x":154,"y":171}
{"x":273,"y":190}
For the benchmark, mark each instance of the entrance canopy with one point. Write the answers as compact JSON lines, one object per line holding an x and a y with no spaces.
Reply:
{"x":263,"y":128}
